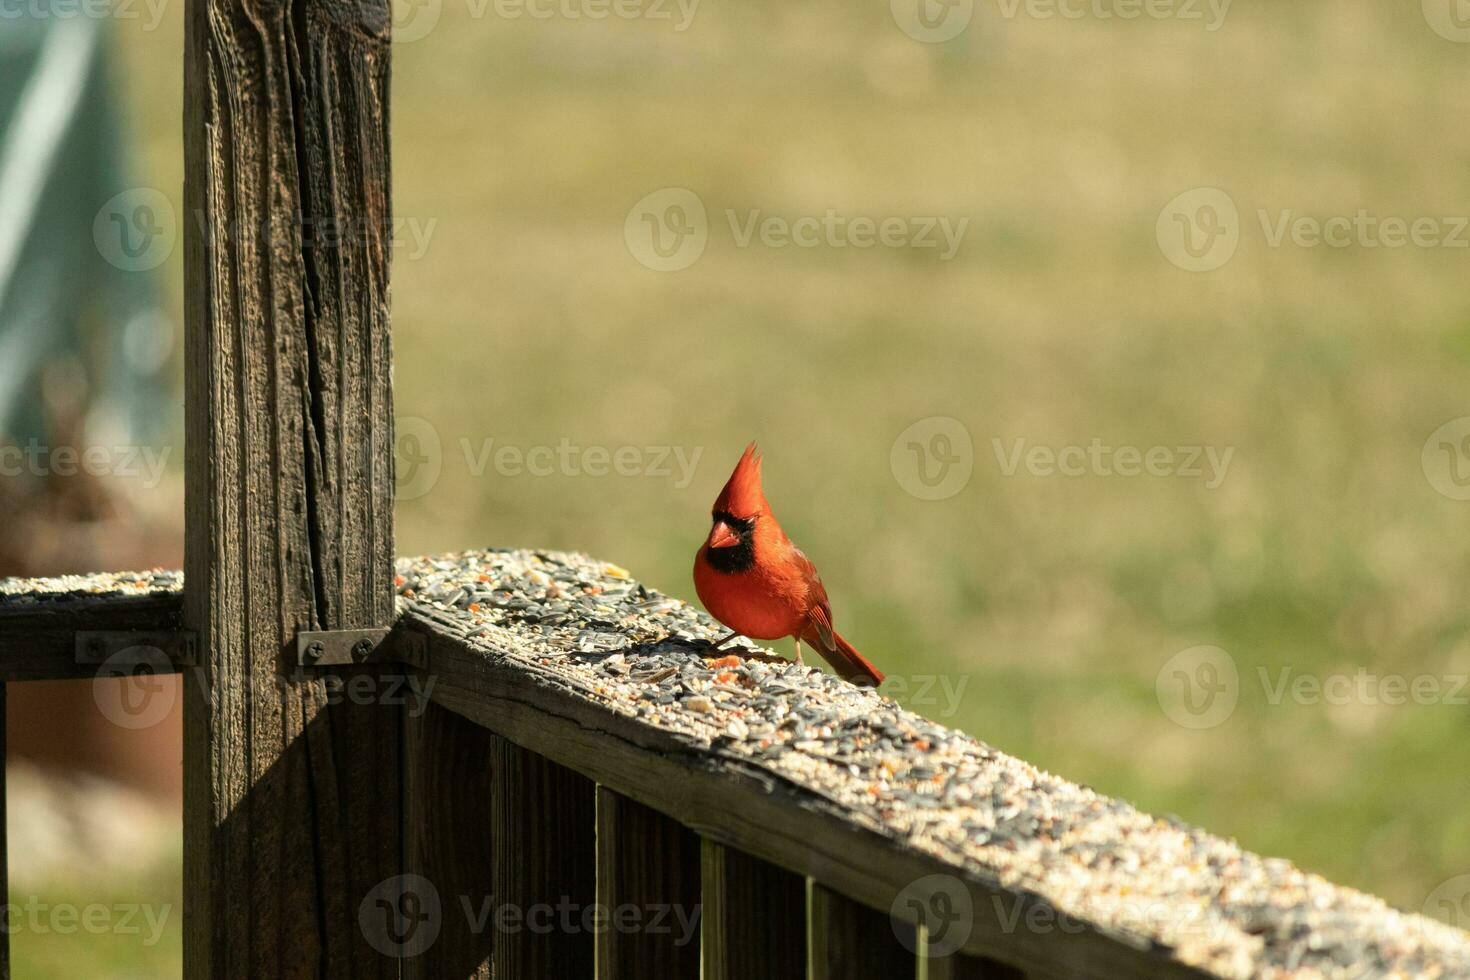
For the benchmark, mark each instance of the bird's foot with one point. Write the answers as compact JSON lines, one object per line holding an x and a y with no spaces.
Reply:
{"x":720,"y":643}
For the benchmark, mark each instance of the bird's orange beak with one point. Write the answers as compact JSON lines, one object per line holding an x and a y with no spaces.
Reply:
{"x":722,"y":536}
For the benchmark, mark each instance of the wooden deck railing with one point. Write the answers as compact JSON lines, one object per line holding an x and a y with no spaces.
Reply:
{"x":516,"y":764}
{"x":588,"y":783}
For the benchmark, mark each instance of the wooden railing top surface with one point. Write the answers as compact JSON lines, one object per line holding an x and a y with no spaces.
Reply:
{"x":574,"y":659}
{"x":40,"y":617}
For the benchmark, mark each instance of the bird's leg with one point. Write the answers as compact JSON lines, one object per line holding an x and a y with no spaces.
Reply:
{"x":798,"y":651}
{"x":725,"y":639}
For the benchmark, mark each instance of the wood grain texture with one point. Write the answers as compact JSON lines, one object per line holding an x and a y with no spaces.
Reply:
{"x":544,"y":822}
{"x":754,"y":918}
{"x":452,"y":769}
{"x":292,"y":803}
{"x":648,"y":883}
{"x":851,"y":941}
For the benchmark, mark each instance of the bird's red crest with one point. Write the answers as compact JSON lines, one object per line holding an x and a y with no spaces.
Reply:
{"x":742,"y":496}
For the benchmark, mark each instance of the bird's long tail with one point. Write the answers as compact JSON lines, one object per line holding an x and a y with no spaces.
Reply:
{"x":844,"y":658}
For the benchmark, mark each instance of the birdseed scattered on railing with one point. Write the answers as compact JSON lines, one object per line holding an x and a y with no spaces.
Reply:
{"x":1095,"y":859}
{"x":16,"y":592}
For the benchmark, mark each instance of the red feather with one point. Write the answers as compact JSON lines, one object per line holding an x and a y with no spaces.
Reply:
{"x":743,"y":495}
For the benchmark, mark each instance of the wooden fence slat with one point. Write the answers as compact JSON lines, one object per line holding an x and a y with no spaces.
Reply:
{"x":292,"y":785}
{"x":451,"y":841}
{"x":851,"y":941}
{"x":754,"y":918}
{"x":647,"y":866}
{"x":545,"y":829}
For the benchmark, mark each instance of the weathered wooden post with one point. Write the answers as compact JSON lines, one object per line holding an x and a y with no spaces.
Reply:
{"x":292,"y":783}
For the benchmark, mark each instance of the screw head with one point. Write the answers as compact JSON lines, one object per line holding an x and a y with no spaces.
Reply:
{"x":314,"y":651}
{"x":361,"y":649}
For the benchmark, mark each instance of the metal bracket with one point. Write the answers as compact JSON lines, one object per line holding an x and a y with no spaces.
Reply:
{"x":339,"y":648}
{"x":159,"y":650}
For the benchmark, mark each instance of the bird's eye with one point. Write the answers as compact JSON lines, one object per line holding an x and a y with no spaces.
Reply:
{"x":737,"y":523}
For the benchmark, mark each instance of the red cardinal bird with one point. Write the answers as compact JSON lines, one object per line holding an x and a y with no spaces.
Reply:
{"x":754,"y":580}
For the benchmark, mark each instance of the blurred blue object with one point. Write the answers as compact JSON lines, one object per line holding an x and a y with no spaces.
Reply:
{"x":74,"y":303}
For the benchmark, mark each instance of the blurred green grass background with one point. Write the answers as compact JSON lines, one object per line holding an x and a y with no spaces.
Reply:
{"x":117,"y":929}
{"x":95,"y":878}
{"x":521,"y":145}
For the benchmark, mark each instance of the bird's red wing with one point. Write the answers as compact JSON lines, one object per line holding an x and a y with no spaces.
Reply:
{"x":820,"y":610}
{"x":849,"y":664}
{"x":821,"y":621}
